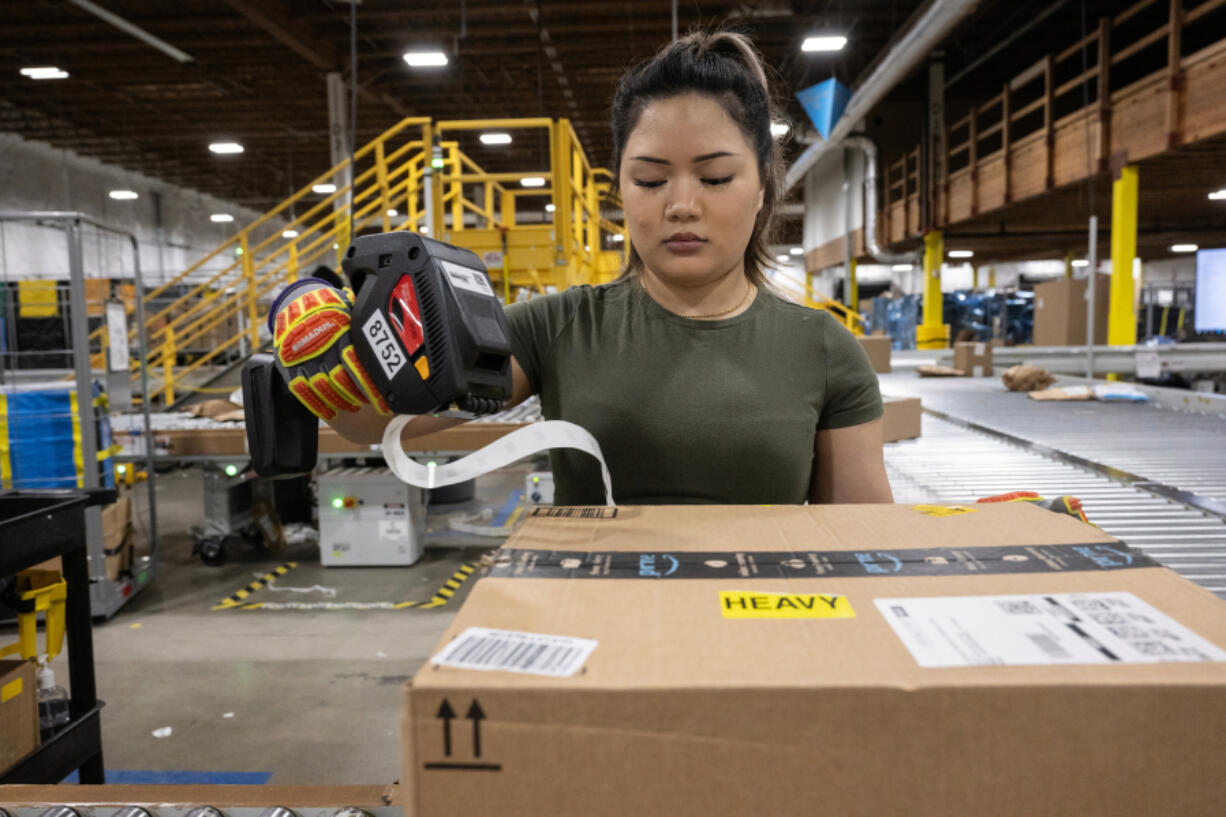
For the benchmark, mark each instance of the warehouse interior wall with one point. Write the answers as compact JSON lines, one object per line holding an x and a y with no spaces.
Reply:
{"x":826,"y":218}
{"x":36,"y":176}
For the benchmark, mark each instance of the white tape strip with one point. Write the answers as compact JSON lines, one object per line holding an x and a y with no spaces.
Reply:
{"x":518,"y":444}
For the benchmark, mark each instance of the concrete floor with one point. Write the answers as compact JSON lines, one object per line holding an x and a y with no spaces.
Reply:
{"x":315,"y":695}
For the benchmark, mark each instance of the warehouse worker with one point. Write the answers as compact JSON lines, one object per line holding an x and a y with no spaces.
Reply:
{"x":700,"y":384}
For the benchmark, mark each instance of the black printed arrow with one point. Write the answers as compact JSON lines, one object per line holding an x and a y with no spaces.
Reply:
{"x":446,"y":713}
{"x":476,"y":715}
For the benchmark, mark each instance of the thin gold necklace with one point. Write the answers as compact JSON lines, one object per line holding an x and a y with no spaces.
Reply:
{"x":748,"y":292}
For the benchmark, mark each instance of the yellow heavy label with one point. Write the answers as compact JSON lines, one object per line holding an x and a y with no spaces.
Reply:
{"x":10,"y":691}
{"x":741,"y":604}
{"x":942,"y":510}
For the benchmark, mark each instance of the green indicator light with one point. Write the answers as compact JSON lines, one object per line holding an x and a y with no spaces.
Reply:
{"x":536,"y":479}
{"x":436,"y":163}
{"x":338,"y":503}
{"x":231,"y":470}
{"x":123,"y":469}
{"x":431,"y":464}
{"x":238,"y":250}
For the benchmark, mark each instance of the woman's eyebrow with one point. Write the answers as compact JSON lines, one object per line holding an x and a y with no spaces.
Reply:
{"x":706,"y":157}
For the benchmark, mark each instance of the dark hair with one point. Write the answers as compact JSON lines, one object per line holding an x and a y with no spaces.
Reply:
{"x":725,"y":66}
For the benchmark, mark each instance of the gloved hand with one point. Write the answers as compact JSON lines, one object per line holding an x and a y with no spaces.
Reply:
{"x":310,"y":329}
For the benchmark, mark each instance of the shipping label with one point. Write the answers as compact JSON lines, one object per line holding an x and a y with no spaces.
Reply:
{"x":1059,"y":628}
{"x":479,"y":648}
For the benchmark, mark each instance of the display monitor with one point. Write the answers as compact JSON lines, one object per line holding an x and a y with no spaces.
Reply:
{"x":1211,"y":291}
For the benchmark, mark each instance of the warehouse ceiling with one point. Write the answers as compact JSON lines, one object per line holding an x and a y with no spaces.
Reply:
{"x":254,"y":72}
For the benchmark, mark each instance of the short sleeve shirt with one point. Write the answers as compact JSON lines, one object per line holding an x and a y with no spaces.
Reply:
{"x":689,"y":411}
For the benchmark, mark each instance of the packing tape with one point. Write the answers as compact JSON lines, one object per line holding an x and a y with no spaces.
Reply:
{"x":524,"y":442}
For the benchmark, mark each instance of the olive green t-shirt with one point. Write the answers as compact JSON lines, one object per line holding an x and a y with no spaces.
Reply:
{"x":689,"y":411}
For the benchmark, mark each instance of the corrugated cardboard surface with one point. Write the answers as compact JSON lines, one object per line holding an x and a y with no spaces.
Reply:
{"x":902,"y":419}
{"x":18,"y":712}
{"x":973,"y":359}
{"x":878,"y":349}
{"x":1060,"y":311}
{"x":680,"y":711}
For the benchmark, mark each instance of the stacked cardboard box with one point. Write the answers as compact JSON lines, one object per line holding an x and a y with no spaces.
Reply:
{"x":1060,"y":311}
{"x":859,"y":660}
{"x":18,"y":712}
{"x":877,"y":346}
{"x":973,"y":359}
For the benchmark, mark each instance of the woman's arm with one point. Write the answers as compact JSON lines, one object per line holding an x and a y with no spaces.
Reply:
{"x":366,"y":427}
{"x":849,"y":466}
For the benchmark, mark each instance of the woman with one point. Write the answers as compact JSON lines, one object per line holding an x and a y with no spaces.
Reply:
{"x":698,"y":382}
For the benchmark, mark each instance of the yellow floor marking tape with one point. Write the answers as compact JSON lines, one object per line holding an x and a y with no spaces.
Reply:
{"x":237,"y":599}
{"x":440,"y":598}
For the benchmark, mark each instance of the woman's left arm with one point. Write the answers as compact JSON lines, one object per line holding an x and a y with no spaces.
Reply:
{"x":849,"y":466}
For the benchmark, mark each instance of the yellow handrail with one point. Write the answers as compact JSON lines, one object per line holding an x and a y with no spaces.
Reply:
{"x":394,"y":176}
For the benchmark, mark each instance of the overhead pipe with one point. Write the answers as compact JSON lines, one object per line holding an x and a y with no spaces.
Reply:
{"x":869,"y":147}
{"x":941,"y":18}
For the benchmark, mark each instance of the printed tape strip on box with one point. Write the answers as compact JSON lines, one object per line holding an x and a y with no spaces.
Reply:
{"x":793,"y":564}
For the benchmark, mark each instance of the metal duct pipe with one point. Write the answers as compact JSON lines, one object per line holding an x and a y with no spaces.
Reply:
{"x":938,"y":21}
{"x":870,"y":204}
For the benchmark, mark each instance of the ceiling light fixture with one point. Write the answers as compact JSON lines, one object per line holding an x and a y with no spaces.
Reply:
{"x":393,"y":213}
{"x":123,"y":195}
{"x":1219,"y":195}
{"x":783,"y":259}
{"x":45,"y":72}
{"x":796,"y":251}
{"x":827,"y":43}
{"x":1081,"y":262}
{"x":903,"y":267}
{"x":221,"y":218}
{"x":425,"y":59}
{"x":549,"y":208}
{"x":324,"y":189}
{"x":289,"y":233}
{"x":532,"y":181}
{"x":780,"y":129}
{"x":495,"y":138}
{"x":226,"y":147}
{"x":961,"y":254}
{"x":1184,"y":248}
{"x":618,"y":238}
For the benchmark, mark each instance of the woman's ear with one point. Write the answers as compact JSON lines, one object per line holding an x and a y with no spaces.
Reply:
{"x":761,"y":198}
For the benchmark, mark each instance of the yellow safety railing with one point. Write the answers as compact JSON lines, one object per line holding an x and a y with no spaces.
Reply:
{"x":803,"y":293}
{"x":413,"y":176}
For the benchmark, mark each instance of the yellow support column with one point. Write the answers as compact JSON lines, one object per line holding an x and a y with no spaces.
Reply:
{"x":991,"y":277}
{"x":1122,"y":320}
{"x":1068,"y":265}
{"x":853,"y":288}
{"x":457,"y":190}
{"x":975,"y":279}
{"x":933,"y":333}
{"x":253,"y":320}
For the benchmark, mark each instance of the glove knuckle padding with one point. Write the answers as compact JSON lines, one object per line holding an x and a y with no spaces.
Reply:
{"x":309,"y":333}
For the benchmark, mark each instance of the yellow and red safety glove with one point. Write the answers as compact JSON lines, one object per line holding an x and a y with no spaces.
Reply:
{"x":310,"y":331}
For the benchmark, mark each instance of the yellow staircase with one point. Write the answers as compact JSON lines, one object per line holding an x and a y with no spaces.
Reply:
{"x":400,"y":183}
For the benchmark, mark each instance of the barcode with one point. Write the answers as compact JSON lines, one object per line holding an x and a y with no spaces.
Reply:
{"x":1049,"y":645}
{"x":1019,"y":608}
{"x":481,"y":649}
{"x":576,"y":513}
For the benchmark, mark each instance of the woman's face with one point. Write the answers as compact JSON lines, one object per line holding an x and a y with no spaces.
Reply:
{"x":691,"y":190}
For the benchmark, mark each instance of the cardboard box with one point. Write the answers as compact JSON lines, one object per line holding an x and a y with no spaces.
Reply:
{"x":902,"y":420}
{"x":878,"y":349}
{"x":18,"y":712}
{"x":117,"y":539}
{"x":748,"y":660}
{"x":1060,"y":311}
{"x":973,"y":359}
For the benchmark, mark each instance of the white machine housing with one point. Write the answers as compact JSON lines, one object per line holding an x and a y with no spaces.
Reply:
{"x":538,"y":488}
{"x":380,"y":520}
